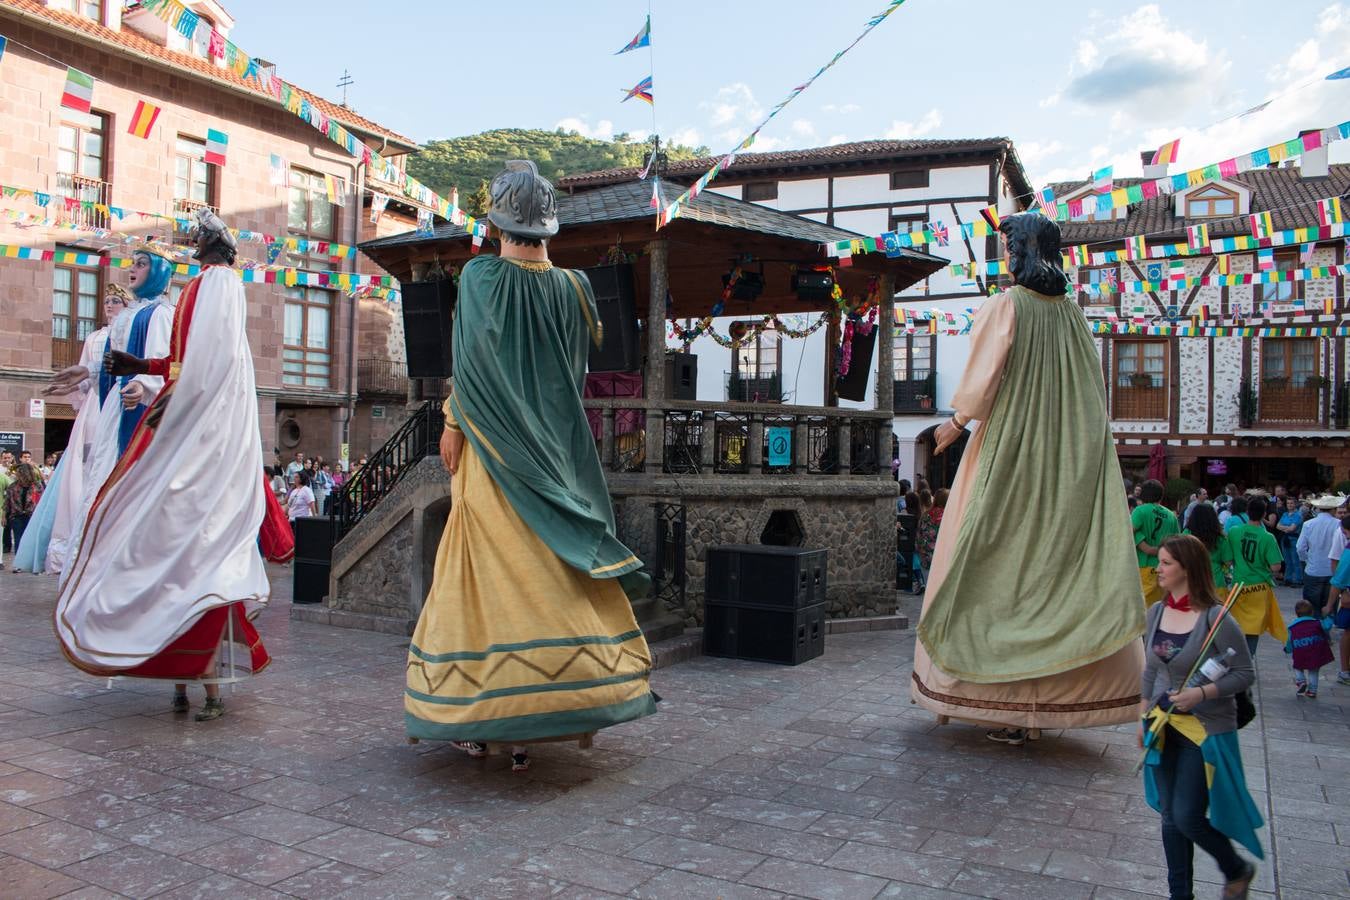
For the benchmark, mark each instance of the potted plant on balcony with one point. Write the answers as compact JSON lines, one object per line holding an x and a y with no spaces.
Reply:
{"x":1141,"y":380}
{"x":924,"y":401}
{"x":1276,"y":381}
{"x":1317,"y":382}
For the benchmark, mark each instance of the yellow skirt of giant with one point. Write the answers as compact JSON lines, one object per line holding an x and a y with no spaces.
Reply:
{"x":513,"y":644}
{"x":1256,"y":612}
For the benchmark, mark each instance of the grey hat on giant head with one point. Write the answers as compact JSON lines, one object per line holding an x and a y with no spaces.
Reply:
{"x":522,"y":202}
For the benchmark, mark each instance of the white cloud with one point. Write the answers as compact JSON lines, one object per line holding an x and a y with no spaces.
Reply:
{"x":1319,"y":55}
{"x":843,"y":109}
{"x":803,"y":128}
{"x":1033,"y":153}
{"x":689,"y":137}
{"x":836,"y":139}
{"x":734,"y":104}
{"x":903,"y":130}
{"x":603,"y":130}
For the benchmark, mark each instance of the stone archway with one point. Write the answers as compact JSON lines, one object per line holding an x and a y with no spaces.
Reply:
{"x":940,"y":471}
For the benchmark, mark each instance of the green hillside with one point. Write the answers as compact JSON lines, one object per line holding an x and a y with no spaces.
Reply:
{"x":467,"y":162}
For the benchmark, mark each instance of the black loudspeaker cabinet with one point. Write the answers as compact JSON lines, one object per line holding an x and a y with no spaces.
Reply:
{"x":427,"y":319}
{"x":314,"y":536}
{"x":681,"y":376}
{"x":616,"y":301}
{"x":310,"y":584}
{"x":853,"y":386}
{"x":765,"y":576}
{"x":786,"y":636}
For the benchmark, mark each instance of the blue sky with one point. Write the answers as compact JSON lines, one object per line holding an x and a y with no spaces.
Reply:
{"x":1075,"y":85}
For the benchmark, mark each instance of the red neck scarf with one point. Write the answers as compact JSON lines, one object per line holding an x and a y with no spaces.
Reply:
{"x":1182,"y":604}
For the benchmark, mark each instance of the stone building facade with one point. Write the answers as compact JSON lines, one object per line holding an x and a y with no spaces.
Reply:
{"x":304,"y":339}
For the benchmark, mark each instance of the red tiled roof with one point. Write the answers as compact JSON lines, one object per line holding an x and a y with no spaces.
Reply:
{"x":1285,"y":193}
{"x":858,"y":151}
{"x":129,"y":40}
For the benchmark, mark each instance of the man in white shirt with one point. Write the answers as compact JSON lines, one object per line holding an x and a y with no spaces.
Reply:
{"x":296,"y":465}
{"x":1319,"y":546}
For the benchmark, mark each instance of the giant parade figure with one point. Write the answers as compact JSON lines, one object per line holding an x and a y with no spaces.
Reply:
{"x":1032,"y":626}
{"x":168,"y":564}
{"x":527,"y":633}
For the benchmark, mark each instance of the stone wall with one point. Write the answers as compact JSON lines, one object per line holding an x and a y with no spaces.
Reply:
{"x":852,"y":518}
{"x":380,"y":582}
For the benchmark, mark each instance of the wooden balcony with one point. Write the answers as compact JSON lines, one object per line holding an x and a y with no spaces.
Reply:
{"x":1135,"y":403}
{"x":381,"y":378}
{"x":1283,"y":403}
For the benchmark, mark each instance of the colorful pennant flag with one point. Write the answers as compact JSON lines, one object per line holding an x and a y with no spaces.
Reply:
{"x":143,"y":119}
{"x":1329,"y":211}
{"x":216,"y":142}
{"x":1221,"y":264}
{"x":1262,"y":225}
{"x":1305,"y":254}
{"x":378,"y":203}
{"x":425,"y":228}
{"x":79,"y":92}
{"x":1102,"y":180}
{"x":642,"y":90}
{"x":336,"y":190}
{"x":1079,"y":255}
{"x":1265,"y":259}
{"x":941,"y":235}
{"x":1167,"y":153}
{"x":215,"y":45}
{"x":1197,"y":236}
{"x":1329,"y":305}
{"x":187,"y":23}
{"x":1339,"y":74}
{"x":990,"y":215}
{"x":3,"y":41}
{"x":642,"y":39}
{"x":277,"y":171}
{"x":1046,"y":199}
{"x":1136,"y":247}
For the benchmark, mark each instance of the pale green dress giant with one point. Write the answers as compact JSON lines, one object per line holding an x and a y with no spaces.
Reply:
{"x":1033,"y":610}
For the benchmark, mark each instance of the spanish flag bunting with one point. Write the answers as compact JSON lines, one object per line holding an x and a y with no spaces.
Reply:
{"x":143,"y":119}
{"x":1221,"y":263}
{"x":1329,"y":305}
{"x":79,"y":92}
{"x":1167,"y":153}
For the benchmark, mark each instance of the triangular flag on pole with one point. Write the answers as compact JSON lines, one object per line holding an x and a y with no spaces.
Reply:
{"x":642,"y":39}
{"x":79,"y":92}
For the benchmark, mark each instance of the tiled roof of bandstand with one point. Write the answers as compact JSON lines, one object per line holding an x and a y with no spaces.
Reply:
{"x":631,"y":201}
{"x":79,"y":26}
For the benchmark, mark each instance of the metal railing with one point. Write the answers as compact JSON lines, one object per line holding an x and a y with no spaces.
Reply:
{"x":416,"y":439}
{"x":187,"y":209}
{"x":916,"y":393}
{"x":685,"y":437}
{"x":80,"y":195}
{"x":382,"y":377}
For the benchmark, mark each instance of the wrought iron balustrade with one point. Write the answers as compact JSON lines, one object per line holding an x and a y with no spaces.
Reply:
{"x":80,"y":197}
{"x":916,"y":394}
{"x":764,"y":388}
{"x":381,"y":377}
{"x":416,"y":439}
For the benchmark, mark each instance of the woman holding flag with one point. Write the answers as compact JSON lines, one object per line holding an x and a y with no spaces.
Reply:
{"x":1197,"y":661}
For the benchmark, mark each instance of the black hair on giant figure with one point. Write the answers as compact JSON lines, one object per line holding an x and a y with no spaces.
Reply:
{"x":215,"y":243}
{"x":1033,"y":248}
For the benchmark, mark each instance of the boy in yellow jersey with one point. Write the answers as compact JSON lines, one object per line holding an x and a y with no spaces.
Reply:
{"x":1153,"y":523}
{"x":1256,"y":561}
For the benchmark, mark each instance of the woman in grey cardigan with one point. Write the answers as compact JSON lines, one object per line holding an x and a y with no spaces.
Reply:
{"x":1196,"y":810}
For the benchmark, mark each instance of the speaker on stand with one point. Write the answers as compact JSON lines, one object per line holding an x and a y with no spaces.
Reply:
{"x":314,"y":539}
{"x":620,"y":349}
{"x":428,"y":308}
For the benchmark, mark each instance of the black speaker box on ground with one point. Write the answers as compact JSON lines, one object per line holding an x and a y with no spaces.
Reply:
{"x":853,"y":386}
{"x":765,"y":576}
{"x":616,"y":300}
{"x":681,"y":376}
{"x":310,"y":584}
{"x":427,"y":307}
{"x":314,"y":536}
{"x":787,"y":636}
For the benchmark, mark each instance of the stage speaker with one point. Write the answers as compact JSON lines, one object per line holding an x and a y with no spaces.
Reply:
{"x":786,"y":636}
{"x":616,"y":300}
{"x":427,"y":308}
{"x":853,"y":386}
{"x":766,"y":576}
{"x":681,"y":376}
{"x":310,"y":584}
{"x":314,"y":537}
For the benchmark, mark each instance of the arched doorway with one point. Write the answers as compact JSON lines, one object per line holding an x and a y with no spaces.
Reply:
{"x":940,"y":471}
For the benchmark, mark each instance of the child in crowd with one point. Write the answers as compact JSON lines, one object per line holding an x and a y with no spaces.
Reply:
{"x":1308,"y":648}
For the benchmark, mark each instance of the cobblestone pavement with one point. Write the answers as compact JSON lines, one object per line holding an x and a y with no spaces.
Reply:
{"x":753,"y":781}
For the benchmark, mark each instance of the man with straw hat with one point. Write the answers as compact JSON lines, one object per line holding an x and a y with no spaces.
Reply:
{"x":1319,"y":547}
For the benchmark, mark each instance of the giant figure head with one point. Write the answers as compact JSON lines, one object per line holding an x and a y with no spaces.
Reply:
{"x":150,"y":274}
{"x":215,"y":243}
{"x":1033,"y":251}
{"x":523,"y":203}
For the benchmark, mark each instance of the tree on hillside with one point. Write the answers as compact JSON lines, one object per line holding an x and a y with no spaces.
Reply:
{"x":466,"y":161}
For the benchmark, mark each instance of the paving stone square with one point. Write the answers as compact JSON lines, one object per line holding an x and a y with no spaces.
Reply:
{"x":752,"y":781}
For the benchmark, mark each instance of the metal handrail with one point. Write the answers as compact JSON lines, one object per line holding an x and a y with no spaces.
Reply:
{"x":417,"y":438}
